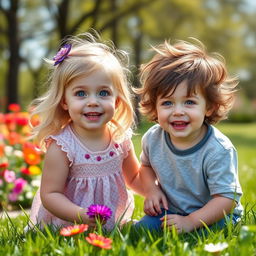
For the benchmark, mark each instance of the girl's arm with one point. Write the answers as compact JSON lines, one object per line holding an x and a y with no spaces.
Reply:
{"x":54,"y":176}
{"x":212,"y":212}
{"x":131,"y":172}
{"x":141,"y":179}
{"x":155,"y":198}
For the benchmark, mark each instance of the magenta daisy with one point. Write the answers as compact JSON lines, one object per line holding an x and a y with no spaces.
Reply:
{"x":97,"y":210}
{"x":62,"y":54}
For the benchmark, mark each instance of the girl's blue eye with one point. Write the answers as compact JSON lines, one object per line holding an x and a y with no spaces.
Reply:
{"x":104,"y":93}
{"x":80,"y":93}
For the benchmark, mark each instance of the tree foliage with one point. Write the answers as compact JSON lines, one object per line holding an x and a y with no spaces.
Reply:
{"x":31,"y":30}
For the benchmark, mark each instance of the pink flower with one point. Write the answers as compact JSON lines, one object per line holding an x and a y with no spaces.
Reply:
{"x":62,"y":54}
{"x":19,"y":185}
{"x":102,"y":211}
{"x":13,"y":197}
{"x":9,"y":176}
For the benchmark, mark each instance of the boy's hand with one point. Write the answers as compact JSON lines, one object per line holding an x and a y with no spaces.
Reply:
{"x":180,"y":223}
{"x":154,"y":202}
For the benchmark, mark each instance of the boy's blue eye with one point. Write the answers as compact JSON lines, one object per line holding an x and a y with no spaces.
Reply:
{"x":80,"y":94}
{"x":104,"y":93}
{"x":167,"y":103}
{"x":190,"y":102}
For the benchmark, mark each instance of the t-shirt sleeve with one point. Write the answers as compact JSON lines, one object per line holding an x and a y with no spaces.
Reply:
{"x":222,"y":174}
{"x":144,"y":153}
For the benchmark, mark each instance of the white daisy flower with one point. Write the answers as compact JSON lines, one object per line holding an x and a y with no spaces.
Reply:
{"x":215,"y":248}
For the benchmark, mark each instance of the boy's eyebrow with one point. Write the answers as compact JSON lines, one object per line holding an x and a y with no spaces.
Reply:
{"x":171,"y":97}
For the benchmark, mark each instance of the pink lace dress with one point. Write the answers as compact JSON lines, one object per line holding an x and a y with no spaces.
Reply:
{"x":94,"y":178}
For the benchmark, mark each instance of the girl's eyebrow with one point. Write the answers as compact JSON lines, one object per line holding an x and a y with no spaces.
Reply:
{"x":100,"y":87}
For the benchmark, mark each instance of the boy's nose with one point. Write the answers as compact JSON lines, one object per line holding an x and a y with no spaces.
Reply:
{"x":178,"y":110}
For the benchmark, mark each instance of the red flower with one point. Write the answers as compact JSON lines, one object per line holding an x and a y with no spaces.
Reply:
{"x":73,"y":230}
{"x":14,"y":107}
{"x":100,"y":241}
{"x":4,"y":165}
{"x":25,"y":170}
{"x":21,"y":120}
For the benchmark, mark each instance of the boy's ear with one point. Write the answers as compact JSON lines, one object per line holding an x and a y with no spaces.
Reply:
{"x":209,"y":111}
{"x":64,"y":104}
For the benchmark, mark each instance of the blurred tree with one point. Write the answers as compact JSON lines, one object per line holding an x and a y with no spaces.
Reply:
{"x":10,"y":13}
{"x":222,"y":25}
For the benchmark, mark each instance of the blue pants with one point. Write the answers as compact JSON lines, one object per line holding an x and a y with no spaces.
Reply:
{"x":154,"y":222}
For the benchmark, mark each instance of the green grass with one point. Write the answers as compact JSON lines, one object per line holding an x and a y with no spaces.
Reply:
{"x":241,"y":239}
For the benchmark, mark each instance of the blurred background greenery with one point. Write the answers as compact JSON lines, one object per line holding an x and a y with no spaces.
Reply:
{"x":31,"y":30}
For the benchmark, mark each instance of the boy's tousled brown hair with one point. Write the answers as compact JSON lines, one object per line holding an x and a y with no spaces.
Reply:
{"x":184,"y":61}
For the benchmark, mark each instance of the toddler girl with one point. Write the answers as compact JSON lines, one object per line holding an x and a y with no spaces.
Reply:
{"x":85,"y":125}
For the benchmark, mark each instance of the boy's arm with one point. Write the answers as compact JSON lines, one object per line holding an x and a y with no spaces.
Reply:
{"x":212,"y":212}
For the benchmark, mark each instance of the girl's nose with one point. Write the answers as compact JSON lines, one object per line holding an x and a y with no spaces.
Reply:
{"x":92,"y":101}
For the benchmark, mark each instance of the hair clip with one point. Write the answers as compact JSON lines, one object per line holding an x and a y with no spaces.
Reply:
{"x":62,"y":54}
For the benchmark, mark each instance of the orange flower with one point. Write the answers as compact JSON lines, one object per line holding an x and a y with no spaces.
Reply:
{"x":100,"y":241}
{"x":35,"y":120}
{"x":14,"y":138}
{"x":32,"y":155}
{"x":1,"y":150}
{"x":73,"y":230}
{"x":2,"y":118}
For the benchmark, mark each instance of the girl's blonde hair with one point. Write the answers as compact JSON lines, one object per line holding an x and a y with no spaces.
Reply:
{"x":184,"y":61}
{"x":87,"y":55}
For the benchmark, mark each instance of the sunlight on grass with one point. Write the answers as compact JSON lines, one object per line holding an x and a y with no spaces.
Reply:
{"x":238,"y":240}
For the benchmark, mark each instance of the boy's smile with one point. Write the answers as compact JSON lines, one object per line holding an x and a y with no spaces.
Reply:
{"x":182,"y":116}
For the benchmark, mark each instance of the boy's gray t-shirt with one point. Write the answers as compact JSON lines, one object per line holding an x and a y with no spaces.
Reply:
{"x":190,"y":177}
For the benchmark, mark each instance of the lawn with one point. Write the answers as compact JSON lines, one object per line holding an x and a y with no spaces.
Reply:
{"x":239,"y":240}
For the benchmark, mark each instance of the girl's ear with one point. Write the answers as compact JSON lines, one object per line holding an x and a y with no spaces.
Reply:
{"x":64,"y":104}
{"x":117,"y":102}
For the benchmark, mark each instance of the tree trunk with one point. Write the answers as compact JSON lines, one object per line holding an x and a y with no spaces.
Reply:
{"x":114,"y":33}
{"x":14,"y":59}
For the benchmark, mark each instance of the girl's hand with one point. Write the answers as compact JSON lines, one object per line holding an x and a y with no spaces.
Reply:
{"x":91,"y":221}
{"x":154,"y":202}
{"x":86,"y":219}
{"x":180,"y":223}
